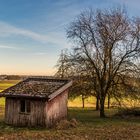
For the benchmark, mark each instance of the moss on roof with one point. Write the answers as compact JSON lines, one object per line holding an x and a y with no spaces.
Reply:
{"x":36,"y":87}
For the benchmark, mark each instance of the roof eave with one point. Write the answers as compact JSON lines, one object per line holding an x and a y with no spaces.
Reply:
{"x":24,"y":95}
{"x":60,"y":90}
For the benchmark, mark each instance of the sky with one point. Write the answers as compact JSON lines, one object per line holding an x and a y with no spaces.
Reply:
{"x":33,"y":32}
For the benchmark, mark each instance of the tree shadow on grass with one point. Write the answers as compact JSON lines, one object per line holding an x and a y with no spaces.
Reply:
{"x":90,"y":115}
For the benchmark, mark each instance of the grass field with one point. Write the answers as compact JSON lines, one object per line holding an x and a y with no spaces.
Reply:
{"x":7,"y":83}
{"x":4,"y":85}
{"x":90,"y":126}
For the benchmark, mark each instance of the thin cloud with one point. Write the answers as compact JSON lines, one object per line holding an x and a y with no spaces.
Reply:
{"x":7,"y":30}
{"x":9,"y":47}
{"x":39,"y":54}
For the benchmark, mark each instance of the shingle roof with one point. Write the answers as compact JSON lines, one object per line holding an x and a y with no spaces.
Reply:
{"x":37,"y":87}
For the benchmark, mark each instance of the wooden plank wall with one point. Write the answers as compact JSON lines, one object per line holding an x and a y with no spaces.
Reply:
{"x":56,"y":109}
{"x":35,"y":118}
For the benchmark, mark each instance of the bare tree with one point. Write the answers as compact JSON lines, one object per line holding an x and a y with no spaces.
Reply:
{"x":78,"y":73}
{"x":109,"y":42}
{"x":62,"y":64}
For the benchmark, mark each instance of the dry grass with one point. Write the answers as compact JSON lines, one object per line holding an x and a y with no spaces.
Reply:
{"x":94,"y":133}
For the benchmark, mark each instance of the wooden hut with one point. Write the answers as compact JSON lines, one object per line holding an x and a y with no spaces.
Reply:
{"x":36,"y":102}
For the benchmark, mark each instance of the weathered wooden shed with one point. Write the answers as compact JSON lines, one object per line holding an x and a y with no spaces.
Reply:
{"x":36,"y":102}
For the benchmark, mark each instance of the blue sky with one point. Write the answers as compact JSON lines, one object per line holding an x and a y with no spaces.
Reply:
{"x":32,"y":32}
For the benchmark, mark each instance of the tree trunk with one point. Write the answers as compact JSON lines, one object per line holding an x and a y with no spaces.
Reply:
{"x":108,"y":101}
{"x":83,"y":102}
{"x":97,"y":103}
{"x":102,"y":103}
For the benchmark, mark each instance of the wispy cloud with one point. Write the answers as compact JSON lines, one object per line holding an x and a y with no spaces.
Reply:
{"x":39,"y":54}
{"x":9,"y":30}
{"x":9,"y":47}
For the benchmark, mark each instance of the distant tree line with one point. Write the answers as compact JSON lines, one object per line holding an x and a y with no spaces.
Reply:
{"x":12,"y":77}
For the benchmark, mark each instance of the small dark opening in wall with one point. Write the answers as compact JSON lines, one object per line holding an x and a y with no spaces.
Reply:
{"x":28,"y":107}
{"x":25,"y":106}
{"x":22,"y":106}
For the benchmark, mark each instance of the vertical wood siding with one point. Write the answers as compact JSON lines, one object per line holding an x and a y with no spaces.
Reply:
{"x":35,"y":118}
{"x":42,"y":113}
{"x":56,"y":109}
